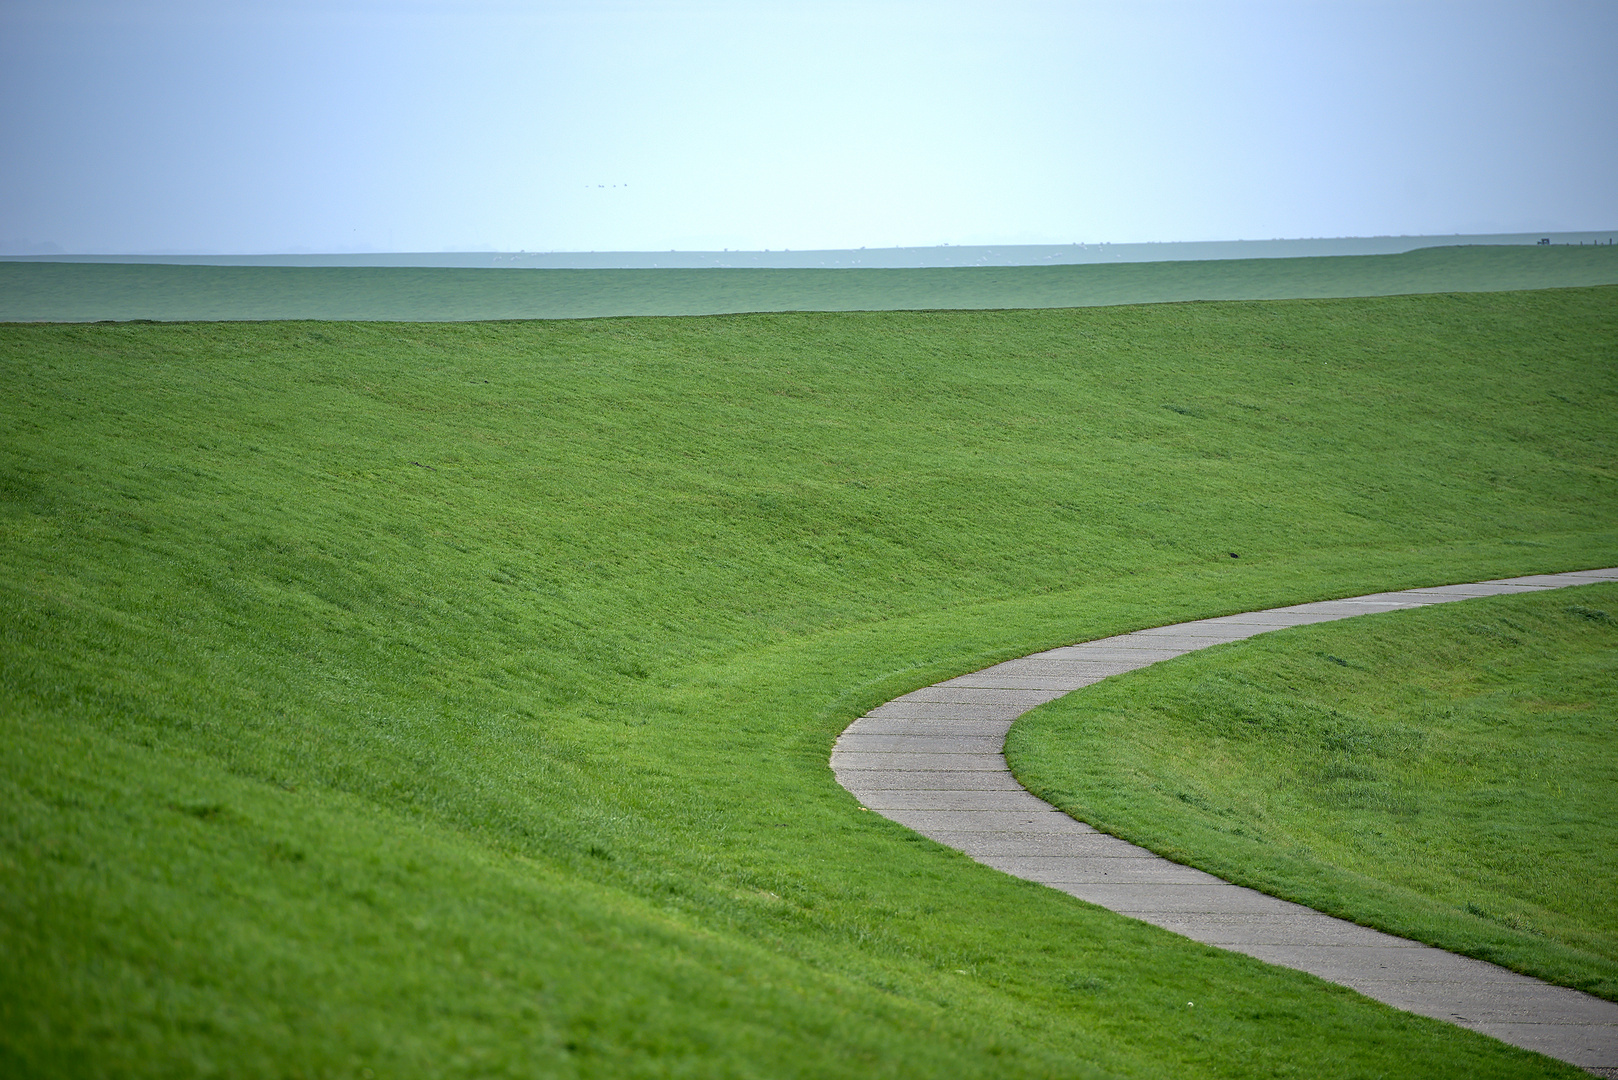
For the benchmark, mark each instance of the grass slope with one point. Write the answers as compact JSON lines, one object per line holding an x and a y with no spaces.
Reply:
{"x":1447,"y":774}
{"x":456,"y":699}
{"x":67,"y":292}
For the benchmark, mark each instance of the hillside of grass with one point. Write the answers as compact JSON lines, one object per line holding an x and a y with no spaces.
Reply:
{"x":455,"y":700}
{"x":87,"y":292}
{"x":1447,"y":774}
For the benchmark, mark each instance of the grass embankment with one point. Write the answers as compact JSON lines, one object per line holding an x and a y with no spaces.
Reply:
{"x":456,"y":699}
{"x":1448,"y":774}
{"x":69,"y":292}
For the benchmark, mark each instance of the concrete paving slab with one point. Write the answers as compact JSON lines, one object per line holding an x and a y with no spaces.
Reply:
{"x":1446,"y":593}
{"x":1390,"y":600}
{"x":1238,"y":930}
{"x":977,"y":695}
{"x":1106,"y":652}
{"x":1044,"y":821}
{"x":1267,"y":622}
{"x":1373,"y":962}
{"x":1148,"y":899}
{"x":1180,"y":644}
{"x":1040,"y":664}
{"x":950,"y":800}
{"x":1434,"y":1001}
{"x":979,"y":809}
{"x":1558,"y":581}
{"x":1005,"y":667}
{"x":1060,"y":683}
{"x":1059,"y":871}
{"x":1368,"y":604}
{"x":948,"y":710}
{"x":903,"y":725}
{"x":1277,"y":620}
{"x":988,"y":844}
{"x":1505,"y":1005}
{"x":1207,"y":629}
{"x":1099,"y":845}
{"x":927,"y":762}
{"x":864,"y":781}
{"x":931,"y":743}
{"x":1347,"y":609}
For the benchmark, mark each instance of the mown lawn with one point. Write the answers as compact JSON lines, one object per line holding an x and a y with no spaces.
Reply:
{"x":1448,"y":774}
{"x":456,"y":699}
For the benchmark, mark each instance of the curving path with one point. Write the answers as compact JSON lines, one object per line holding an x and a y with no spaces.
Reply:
{"x":932,"y":760}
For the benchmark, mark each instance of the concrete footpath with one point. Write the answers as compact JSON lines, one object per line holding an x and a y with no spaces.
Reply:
{"x":932,"y":760}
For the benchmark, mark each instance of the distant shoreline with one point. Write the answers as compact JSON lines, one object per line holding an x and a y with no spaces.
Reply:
{"x":67,"y":291}
{"x":858,"y":258}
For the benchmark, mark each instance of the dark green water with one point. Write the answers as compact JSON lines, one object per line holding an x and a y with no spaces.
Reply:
{"x":86,"y":291}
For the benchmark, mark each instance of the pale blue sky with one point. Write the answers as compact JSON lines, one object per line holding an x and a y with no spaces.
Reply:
{"x":338,"y":125}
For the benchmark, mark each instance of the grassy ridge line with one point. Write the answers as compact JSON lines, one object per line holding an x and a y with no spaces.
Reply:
{"x":82,"y":292}
{"x":477,"y":682}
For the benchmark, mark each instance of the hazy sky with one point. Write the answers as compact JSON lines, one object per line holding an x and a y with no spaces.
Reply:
{"x":417,"y":125}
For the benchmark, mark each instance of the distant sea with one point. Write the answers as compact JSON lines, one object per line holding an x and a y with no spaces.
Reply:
{"x":863,"y":258}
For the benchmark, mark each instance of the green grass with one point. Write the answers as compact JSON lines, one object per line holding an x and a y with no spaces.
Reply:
{"x":68,"y":292}
{"x":456,"y":699}
{"x":1448,"y":774}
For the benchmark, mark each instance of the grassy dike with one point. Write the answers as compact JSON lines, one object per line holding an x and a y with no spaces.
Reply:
{"x":1447,"y":774}
{"x":455,"y":699}
{"x":69,"y":292}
